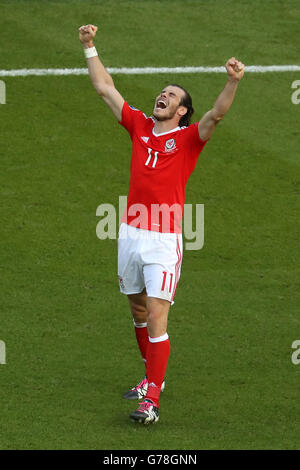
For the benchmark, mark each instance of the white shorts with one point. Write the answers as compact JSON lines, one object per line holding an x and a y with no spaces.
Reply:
{"x":150,"y":260}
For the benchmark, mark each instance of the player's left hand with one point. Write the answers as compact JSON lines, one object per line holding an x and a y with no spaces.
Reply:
{"x":87,"y":33}
{"x":235,"y":68}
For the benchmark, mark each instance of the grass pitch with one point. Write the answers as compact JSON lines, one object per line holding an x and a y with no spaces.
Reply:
{"x":71,"y":351}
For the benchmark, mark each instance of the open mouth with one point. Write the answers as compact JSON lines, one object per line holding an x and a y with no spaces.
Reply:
{"x":161,"y":104}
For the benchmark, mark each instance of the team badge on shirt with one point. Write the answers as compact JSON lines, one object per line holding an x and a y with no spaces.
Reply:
{"x":121,"y":283}
{"x":170,"y":145}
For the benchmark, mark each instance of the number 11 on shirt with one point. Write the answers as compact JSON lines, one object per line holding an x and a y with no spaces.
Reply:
{"x":149,"y":158}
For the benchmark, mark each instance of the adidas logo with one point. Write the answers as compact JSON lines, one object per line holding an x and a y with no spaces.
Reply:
{"x":145,"y":139}
{"x":152,"y":384}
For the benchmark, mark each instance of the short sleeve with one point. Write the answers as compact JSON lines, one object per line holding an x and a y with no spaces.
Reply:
{"x":194,"y":142}
{"x":194,"y":146}
{"x":131,"y":118}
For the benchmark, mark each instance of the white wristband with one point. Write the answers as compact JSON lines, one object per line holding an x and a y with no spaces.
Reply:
{"x":90,"y":52}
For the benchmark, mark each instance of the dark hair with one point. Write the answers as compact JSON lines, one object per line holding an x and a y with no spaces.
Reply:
{"x":186,"y":101}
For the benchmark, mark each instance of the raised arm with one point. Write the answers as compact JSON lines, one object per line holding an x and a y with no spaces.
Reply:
{"x":207,"y":124}
{"x":99,"y":76}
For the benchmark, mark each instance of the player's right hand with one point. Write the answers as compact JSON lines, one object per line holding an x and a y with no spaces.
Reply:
{"x":87,"y":33}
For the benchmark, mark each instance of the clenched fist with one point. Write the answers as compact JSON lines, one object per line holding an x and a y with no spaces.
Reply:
{"x":87,"y":34}
{"x":235,"y":68}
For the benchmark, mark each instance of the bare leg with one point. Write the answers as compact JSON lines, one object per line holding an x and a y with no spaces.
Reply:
{"x":157,"y":316}
{"x":138,"y":306}
{"x":138,"y":309}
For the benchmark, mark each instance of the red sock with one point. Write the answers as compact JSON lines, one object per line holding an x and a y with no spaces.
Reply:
{"x":142,"y":338}
{"x":157,"y":359}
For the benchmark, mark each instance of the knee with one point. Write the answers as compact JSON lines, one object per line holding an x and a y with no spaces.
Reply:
{"x":153,"y":316}
{"x":157,"y":309}
{"x":157,"y":318}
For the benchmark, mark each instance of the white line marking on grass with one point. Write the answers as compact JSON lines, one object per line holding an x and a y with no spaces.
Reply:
{"x":147,"y":70}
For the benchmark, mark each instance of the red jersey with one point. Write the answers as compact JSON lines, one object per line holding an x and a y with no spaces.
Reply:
{"x":161,"y":165}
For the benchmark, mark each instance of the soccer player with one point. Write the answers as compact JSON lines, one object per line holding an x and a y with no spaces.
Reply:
{"x":165,"y":149}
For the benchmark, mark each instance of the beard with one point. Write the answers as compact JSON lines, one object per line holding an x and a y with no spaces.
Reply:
{"x":166,"y":116}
